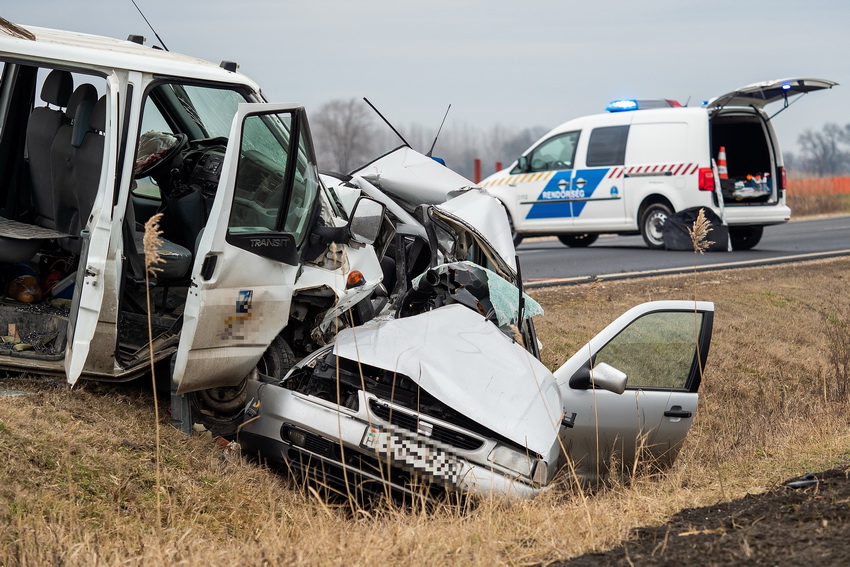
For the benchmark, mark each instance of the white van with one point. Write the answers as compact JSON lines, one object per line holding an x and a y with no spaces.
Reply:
{"x":626,"y":171}
{"x":96,"y":136}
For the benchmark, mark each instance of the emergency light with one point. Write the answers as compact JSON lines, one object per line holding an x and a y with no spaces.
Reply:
{"x":622,"y":105}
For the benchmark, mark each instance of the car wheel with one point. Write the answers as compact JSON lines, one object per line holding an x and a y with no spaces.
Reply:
{"x":652,"y":224}
{"x":578,"y":240}
{"x":745,"y":237}
{"x":220,"y":409}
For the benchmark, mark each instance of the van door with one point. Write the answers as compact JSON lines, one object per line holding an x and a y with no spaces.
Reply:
{"x":248,"y":256}
{"x":91,"y":282}
{"x":662,"y":347}
{"x":598,"y":183}
{"x":766,"y":92}
{"x":542,"y":181}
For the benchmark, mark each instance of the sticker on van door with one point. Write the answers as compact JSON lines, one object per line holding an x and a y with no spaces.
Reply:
{"x":234,"y":325}
{"x":559,"y":200}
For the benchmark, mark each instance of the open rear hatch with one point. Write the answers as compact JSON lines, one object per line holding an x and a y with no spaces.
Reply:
{"x":761,"y":94}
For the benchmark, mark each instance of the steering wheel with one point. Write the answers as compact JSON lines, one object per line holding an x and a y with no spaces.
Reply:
{"x":159,"y":161}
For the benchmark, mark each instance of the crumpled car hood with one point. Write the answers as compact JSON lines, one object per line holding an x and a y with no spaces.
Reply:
{"x":467,"y":363}
{"x":413,"y":177}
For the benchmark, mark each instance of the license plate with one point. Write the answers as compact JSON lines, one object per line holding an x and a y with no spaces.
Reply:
{"x":410,"y":451}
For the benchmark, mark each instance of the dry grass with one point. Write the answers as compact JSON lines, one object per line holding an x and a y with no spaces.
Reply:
{"x":79,"y":476}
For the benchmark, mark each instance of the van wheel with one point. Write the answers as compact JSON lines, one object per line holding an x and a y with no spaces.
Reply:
{"x":745,"y":237}
{"x":220,"y":409}
{"x":652,"y":224}
{"x":517,"y":238}
{"x":578,"y":240}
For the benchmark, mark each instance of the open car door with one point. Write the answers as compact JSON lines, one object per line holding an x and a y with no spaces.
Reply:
{"x":661,"y":347}
{"x":248,"y":256}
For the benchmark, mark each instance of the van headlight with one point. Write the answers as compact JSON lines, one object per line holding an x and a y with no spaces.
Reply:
{"x":524,"y":464}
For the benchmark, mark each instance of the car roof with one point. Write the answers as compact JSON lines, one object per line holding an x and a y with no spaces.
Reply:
{"x":84,"y":51}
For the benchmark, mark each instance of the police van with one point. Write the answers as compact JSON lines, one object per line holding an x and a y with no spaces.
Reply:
{"x":627,"y":171}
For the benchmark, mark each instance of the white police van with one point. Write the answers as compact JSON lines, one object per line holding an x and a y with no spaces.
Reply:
{"x":627,"y":171}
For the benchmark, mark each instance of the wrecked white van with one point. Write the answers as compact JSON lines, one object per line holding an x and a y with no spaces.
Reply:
{"x":96,"y":136}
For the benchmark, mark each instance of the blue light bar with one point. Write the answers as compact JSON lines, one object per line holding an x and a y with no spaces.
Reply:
{"x":622,"y":105}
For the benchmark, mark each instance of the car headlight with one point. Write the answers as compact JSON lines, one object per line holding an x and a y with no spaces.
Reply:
{"x":521,"y":463}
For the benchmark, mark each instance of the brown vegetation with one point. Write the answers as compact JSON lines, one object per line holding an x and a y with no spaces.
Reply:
{"x":78,"y":466}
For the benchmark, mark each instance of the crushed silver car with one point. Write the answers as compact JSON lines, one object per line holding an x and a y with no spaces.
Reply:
{"x":443,"y":388}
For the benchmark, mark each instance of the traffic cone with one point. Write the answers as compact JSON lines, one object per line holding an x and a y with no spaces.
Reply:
{"x":721,"y":163}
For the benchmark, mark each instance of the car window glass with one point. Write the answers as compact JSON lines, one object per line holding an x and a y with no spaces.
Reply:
{"x":261,"y":179}
{"x":607,"y":146}
{"x":557,"y":152}
{"x":656,"y":350}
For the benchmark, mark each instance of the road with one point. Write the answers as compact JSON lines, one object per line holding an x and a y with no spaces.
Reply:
{"x":546,"y":261}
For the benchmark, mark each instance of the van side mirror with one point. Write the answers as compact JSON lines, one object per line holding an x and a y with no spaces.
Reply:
{"x":603,"y":376}
{"x":522,"y":163}
{"x":366,"y":220}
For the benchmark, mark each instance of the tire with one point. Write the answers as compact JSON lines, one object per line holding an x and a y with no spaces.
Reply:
{"x":577,"y":240}
{"x":220,"y":409}
{"x":745,"y":237}
{"x":652,"y":224}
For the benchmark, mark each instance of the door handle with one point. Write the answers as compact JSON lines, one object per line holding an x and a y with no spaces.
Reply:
{"x":677,"y":411}
{"x":580,"y":182}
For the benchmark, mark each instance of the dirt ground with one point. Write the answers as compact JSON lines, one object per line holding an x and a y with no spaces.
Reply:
{"x":787,"y":525}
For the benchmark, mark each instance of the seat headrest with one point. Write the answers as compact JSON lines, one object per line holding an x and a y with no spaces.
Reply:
{"x":97,"y":120}
{"x":57,"y":88}
{"x":84,"y":92}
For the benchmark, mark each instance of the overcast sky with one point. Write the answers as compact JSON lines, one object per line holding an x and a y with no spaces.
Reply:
{"x":524,"y":63}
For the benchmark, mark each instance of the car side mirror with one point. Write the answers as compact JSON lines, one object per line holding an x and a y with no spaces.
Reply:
{"x":603,"y":376}
{"x":366,"y":220}
{"x":522,"y":163}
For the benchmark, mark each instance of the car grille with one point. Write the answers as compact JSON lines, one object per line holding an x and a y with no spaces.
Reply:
{"x":410,"y":422}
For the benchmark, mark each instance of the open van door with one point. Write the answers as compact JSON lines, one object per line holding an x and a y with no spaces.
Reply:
{"x":761,"y":94}
{"x":660,"y":349}
{"x":91,"y":276}
{"x":248,"y":255}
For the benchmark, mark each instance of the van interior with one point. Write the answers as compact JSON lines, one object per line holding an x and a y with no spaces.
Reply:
{"x":751,"y":164}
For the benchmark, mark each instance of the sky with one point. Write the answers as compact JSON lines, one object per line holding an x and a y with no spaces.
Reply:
{"x":520,"y":64}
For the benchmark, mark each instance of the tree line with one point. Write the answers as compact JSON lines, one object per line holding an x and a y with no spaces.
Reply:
{"x":349,"y":134}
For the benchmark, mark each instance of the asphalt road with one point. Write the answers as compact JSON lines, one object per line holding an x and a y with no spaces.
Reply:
{"x":545,"y":261}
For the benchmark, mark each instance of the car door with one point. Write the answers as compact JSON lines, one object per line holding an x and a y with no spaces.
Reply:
{"x":542,"y":183}
{"x":598,"y":181}
{"x":92,"y":276}
{"x":662,"y":348}
{"x":248,"y":255}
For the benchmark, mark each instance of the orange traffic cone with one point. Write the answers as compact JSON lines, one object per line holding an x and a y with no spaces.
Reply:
{"x":721,"y":163}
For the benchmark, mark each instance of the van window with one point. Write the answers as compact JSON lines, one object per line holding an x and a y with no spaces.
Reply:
{"x":657,"y":143}
{"x":557,"y":152}
{"x":607,"y":146}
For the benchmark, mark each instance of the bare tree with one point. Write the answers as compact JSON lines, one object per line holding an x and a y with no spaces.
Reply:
{"x":823,"y":151}
{"x":344,"y":133}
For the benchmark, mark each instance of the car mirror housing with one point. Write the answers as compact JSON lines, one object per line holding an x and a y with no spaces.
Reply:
{"x":602,"y":376}
{"x":522,"y":163}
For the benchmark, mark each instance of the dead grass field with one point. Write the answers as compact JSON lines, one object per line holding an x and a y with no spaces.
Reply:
{"x":78,"y":476}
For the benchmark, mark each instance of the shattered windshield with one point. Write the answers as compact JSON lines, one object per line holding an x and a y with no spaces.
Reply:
{"x":212,"y":110}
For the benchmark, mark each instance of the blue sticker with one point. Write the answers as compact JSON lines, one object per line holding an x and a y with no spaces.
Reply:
{"x":243,"y":302}
{"x":614,"y":191}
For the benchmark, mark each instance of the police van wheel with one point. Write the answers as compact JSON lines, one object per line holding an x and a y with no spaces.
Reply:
{"x":220,"y":409}
{"x":745,"y":237}
{"x":577,"y":240}
{"x":652,"y":224}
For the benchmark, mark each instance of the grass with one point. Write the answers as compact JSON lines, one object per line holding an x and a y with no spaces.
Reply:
{"x":79,"y":475}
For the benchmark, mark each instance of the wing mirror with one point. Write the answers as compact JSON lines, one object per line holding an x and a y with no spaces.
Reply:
{"x":522,"y":163}
{"x":366,"y":220}
{"x":603,"y":376}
